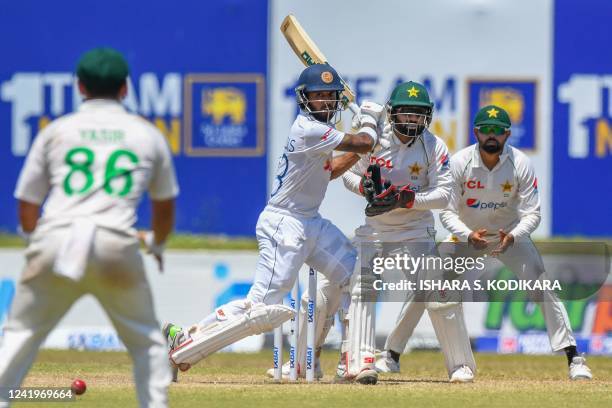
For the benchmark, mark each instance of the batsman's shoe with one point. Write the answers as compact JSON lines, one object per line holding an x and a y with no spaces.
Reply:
{"x":578,"y":369}
{"x":462,"y":374}
{"x":175,"y":337}
{"x":385,"y":364}
{"x":301,"y":373}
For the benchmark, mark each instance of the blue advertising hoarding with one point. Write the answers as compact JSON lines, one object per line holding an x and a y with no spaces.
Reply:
{"x":582,"y":119}
{"x":215,"y":128}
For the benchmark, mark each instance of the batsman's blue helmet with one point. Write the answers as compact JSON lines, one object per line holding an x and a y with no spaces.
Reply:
{"x":319,"y":77}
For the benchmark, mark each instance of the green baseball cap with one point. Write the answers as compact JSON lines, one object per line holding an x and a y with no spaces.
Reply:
{"x":102,"y":69}
{"x":410,"y":94}
{"x":492,"y":115}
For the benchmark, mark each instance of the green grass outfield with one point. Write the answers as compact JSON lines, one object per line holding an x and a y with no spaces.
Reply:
{"x":189,"y":241}
{"x":238,"y":380}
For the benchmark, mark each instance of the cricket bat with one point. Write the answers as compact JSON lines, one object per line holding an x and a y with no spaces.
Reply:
{"x":308,"y":52}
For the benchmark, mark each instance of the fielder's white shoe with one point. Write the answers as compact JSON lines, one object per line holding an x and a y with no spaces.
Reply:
{"x":463,"y":374}
{"x":385,"y":364}
{"x":286,"y":370}
{"x":578,"y":369}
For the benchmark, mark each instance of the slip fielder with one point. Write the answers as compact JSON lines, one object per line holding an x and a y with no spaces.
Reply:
{"x":92,"y":167}
{"x":491,"y":171}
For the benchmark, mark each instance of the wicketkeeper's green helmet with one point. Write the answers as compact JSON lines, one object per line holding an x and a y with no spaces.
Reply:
{"x":415,"y":97}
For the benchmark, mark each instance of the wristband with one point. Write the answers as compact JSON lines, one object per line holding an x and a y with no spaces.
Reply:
{"x":24,"y":235}
{"x":152,"y":247}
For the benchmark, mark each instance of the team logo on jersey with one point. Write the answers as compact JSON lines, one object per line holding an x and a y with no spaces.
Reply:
{"x":415,"y":169}
{"x":386,"y":163}
{"x":474,"y":184}
{"x":327,"y":77}
{"x":491,"y":205}
{"x":472,"y":202}
{"x":413,"y":92}
{"x":506,"y":187}
{"x":445,"y":160}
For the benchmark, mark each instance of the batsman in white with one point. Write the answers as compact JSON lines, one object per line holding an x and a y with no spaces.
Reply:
{"x":415,"y":164}
{"x":491,"y":171}
{"x":290,"y":231}
{"x":92,"y":167}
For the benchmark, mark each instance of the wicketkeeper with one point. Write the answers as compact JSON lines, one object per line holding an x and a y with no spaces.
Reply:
{"x":414,"y":164}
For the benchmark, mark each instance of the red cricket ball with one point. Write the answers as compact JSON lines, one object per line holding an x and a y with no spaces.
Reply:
{"x":78,"y":386}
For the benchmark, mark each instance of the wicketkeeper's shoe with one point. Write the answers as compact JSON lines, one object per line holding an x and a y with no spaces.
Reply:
{"x":367,"y":375}
{"x":385,"y":364}
{"x":462,"y":374}
{"x":578,"y":369}
{"x":301,"y":373}
{"x":175,"y":336}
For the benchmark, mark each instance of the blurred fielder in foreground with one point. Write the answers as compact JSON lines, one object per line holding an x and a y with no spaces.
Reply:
{"x":93,"y":166}
{"x":492,"y":172}
{"x":290,"y":231}
{"x":415,"y":165}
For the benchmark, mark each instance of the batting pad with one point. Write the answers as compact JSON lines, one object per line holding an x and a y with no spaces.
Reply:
{"x":207,"y":340}
{"x":361,"y":326}
{"x":452,"y":335}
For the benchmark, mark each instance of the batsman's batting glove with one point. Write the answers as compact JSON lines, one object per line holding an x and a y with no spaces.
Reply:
{"x":369,"y":112}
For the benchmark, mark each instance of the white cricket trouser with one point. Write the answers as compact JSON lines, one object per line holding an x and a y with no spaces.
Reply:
{"x":288,"y":242}
{"x":448,"y":321}
{"x":115,"y":276}
{"x":526,"y":263}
